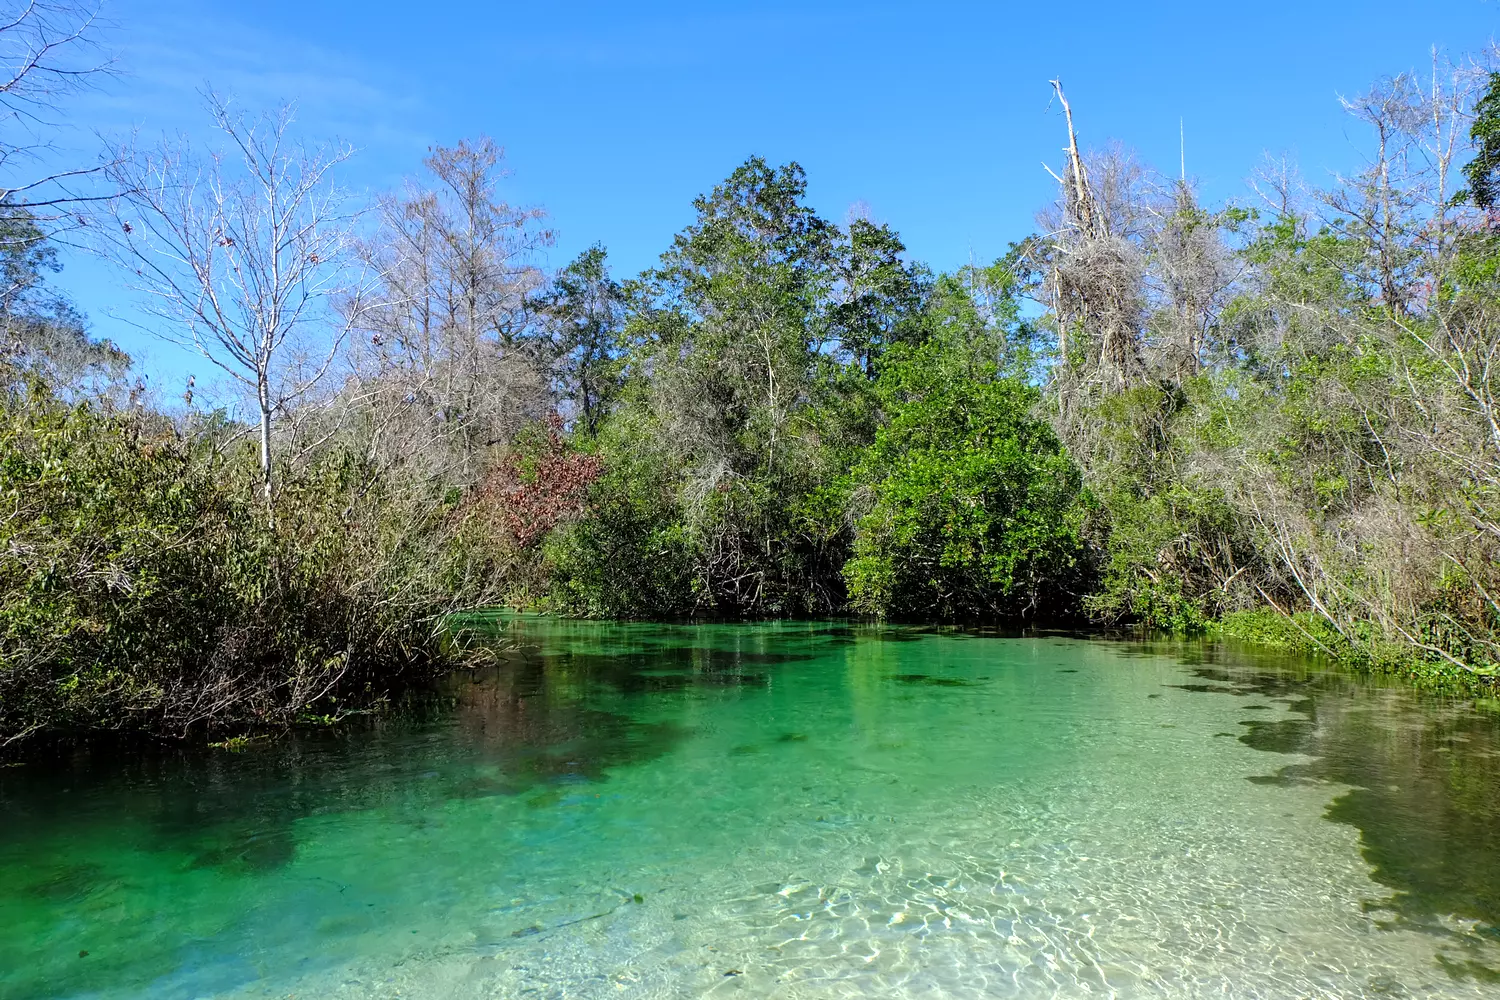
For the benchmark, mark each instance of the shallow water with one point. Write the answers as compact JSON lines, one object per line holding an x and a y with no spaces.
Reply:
{"x":790,"y":811}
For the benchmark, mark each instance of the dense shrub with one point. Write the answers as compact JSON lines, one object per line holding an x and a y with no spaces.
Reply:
{"x":972,"y":508}
{"x":631,"y":557}
{"x":143,"y":583}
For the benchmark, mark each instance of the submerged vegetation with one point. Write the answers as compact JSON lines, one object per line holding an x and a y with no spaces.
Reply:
{"x":1278,"y":419}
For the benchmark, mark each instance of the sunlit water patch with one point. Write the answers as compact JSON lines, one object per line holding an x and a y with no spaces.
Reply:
{"x":789,"y":811}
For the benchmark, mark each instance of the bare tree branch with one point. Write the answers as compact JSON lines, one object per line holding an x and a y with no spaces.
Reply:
{"x":242,"y":254}
{"x":48,"y":52}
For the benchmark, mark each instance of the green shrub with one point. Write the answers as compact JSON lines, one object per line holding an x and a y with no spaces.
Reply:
{"x":629,"y":557}
{"x":144,"y":586}
{"x":974,"y":509}
{"x":1172,"y":558}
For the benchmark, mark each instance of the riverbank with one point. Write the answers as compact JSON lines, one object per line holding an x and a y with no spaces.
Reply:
{"x":1309,"y":635}
{"x":472,"y":639}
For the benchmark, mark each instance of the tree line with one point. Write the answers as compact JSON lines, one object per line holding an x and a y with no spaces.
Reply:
{"x":1273,"y":418}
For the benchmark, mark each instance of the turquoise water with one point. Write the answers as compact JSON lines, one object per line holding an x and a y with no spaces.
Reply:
{"x":784,"y":810}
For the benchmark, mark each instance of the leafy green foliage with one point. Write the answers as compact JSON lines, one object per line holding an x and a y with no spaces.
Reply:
{"x":141,"y":585}
{"x":631,"y":557}
{"x":770,"y":354}
{"x":974,"y":510}
{"x":1170,"y":559}
{"x":1483,"y":171}
{"x":741,"y":401}
{"x":587,"y":309}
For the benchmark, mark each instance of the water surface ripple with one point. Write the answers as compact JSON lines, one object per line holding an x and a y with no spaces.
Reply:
{"x":787,"y":810}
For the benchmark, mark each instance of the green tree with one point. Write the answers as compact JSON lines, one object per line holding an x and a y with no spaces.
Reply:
{"x":1483,"y":171}
{"x":729,"y":384}
{"x":878,"y":296}
{"x":586,"y":311}
{"x":972,"y":507}
{"x":42,"y":334}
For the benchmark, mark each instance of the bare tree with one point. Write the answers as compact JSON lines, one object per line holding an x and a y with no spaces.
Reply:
{"x":1191,"y":275}
{"x":445,"y":362}
{"x":243,"y":254}
{"x":1374,"y":206}
{"x":1095,"y":260}
{"x":48,"y":50}
{"x":1400,"y":206}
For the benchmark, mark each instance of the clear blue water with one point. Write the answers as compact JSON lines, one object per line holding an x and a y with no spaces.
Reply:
{"x":785,"y":810}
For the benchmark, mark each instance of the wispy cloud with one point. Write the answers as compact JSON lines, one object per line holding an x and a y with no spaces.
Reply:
{"x":168,"y":58}
{"x":167,"y":54}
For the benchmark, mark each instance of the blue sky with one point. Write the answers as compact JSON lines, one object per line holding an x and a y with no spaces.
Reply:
{"x":937,"y":116}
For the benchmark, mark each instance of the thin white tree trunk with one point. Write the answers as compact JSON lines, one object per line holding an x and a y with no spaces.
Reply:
{"x":265,"y":438}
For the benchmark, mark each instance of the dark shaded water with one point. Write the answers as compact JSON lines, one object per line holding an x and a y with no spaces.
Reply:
{"x":785,"y":810}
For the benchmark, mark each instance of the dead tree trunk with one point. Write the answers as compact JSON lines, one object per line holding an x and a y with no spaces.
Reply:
{"x":1092,"y":277}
